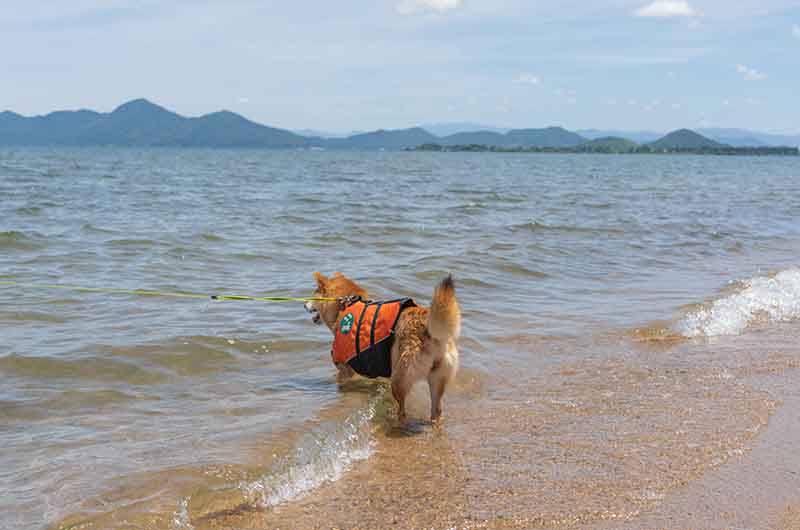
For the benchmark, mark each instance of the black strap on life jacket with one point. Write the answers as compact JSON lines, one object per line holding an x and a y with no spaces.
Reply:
{"x":376,"y":359}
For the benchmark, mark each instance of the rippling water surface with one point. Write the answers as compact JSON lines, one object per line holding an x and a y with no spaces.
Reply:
{"x":607,"y":304}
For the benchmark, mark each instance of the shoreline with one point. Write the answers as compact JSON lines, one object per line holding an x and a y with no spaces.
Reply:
{"x":505,"y":463}
{"x":616,"y":442}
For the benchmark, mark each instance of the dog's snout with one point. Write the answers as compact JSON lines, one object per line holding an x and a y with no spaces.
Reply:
{"x":315,"y":316}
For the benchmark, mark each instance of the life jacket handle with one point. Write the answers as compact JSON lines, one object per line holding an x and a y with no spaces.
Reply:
{"x":347,"y":301}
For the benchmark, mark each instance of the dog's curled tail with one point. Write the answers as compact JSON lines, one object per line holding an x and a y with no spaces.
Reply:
{"x":444,"y":317}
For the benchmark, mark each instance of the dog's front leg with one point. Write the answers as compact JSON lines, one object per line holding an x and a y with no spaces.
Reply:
{"x":344,"y":373}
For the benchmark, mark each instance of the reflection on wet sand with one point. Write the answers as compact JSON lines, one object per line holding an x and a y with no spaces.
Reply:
{"x":598,"y":442}
{"x":637,"y":442}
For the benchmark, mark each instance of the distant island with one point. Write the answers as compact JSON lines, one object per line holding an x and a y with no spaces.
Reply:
{"x":682,"y":141}
{"x":141,"y":123}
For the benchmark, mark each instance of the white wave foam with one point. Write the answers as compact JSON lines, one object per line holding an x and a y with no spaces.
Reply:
{"x":180,"y":519}
{"x":320,"y":459}
{"x":775,"y":298}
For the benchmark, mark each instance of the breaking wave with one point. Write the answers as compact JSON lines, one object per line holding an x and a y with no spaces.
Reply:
{"x":761,"y":299}
{"x":319,"y":459}
{"x":322,"y":456}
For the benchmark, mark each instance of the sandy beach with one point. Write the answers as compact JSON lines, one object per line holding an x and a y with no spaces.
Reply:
{"x":608,"y":446}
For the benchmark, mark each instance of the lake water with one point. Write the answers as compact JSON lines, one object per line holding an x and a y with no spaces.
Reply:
{"x":617,"y":313}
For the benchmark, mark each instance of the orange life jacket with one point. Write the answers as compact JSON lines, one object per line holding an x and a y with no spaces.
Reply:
{"x":365,"y":333}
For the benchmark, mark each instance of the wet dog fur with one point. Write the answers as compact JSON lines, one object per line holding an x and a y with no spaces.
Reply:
{"x":425,"y":339}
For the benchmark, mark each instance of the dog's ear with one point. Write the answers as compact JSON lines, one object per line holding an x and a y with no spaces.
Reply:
{"x":321,"y":280}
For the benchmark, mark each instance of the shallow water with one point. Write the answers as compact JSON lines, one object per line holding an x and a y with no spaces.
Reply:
{"x":614,"y":309}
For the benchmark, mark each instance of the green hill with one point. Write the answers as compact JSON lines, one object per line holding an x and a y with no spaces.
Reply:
{"x":475,"y":138}
{"x":383,"y":139}
{"x":136,"y":123}
{"x":227,"y":129}
{"x":684,"y":139}
{"x":52,"y":129}
{"x":554,"y":137}
{"x":610,"y":144}
{"x":549,"y":137}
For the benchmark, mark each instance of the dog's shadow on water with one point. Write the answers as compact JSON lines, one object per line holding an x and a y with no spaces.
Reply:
{"x":412,"y":427}
{"x":368,"y":387}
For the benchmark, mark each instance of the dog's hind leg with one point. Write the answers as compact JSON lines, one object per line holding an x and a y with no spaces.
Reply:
{"x":401,"y":380}
{"x":411,"y":366}
{"x":400,"y":389}
{"x":442,"y":373}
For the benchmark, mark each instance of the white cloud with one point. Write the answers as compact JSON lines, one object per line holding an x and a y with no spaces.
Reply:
{"x":528,"y":79}
{"x":796,"y":31}
{"x":750,"y":74}
{"x":244,"y":100}
{"x":666,"y":9}
{"x":410,"y":7}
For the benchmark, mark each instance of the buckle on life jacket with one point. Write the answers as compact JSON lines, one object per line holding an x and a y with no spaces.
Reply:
{"x":347,"y":301}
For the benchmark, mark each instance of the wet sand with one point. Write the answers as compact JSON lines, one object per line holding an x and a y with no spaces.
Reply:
{"x":635,"y":442}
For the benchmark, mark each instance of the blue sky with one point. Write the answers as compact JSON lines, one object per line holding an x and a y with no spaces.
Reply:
{"x":363,"y":64}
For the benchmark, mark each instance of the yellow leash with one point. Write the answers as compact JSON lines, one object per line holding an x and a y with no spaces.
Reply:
{"x":140,"y":292}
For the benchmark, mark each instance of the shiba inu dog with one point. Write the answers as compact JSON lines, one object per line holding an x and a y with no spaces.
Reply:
{"x":417,"y":343}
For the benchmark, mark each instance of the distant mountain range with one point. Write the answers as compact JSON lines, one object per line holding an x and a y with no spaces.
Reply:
{"x":140,"y":123}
